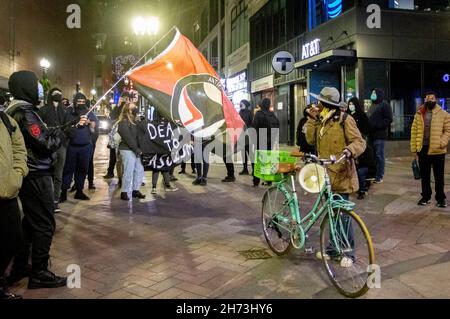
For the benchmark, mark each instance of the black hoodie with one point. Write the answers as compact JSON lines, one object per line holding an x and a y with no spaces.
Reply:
{"x":380,"y":117}
{"x":80,"y":136}
{"x":23,"y":85}
{"x":55,"y":116}
{"x":41,"y":142}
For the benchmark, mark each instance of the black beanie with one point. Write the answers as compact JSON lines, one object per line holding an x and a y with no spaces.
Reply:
{"x":246,"y":104}
{"x":265,"y":104}
{"x":23,"y":85}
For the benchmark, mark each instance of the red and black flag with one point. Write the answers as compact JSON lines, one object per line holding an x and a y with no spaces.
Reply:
{"x":185,"y":88}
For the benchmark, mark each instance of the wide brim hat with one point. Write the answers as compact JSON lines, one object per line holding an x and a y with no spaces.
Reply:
{"x":328,"y":95}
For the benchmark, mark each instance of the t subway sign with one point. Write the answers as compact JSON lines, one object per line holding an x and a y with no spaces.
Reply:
{"x":311,"y":49}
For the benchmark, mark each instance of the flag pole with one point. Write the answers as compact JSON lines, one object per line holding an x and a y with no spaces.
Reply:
{"x":126,"y":73}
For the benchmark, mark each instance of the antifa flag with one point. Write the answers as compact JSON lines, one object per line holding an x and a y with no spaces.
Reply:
{"x":184,"y":88}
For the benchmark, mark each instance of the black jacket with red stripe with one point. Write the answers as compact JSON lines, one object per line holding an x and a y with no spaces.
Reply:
{"x":40,"y":141}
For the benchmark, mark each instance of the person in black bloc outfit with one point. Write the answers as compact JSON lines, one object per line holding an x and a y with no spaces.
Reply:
{"x":36,"y":194}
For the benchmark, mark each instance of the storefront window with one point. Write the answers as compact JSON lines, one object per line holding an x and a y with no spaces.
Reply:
{"x":405,"y":84}
{"x":375,"y":76}
{"x":437,"y":79}
{"x":350,"y":82}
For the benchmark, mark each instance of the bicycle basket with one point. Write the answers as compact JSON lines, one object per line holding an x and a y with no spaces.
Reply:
{"x":267,"y":163}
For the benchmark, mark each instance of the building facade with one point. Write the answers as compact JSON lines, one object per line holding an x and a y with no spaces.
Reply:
{"x":404,"y":50}
{"x":33,"y":30}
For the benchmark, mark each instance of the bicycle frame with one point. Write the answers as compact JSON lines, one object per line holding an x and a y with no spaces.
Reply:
{"x":304,"y":225}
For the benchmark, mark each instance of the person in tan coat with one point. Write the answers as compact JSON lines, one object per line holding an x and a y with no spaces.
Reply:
{"x":430,"y":134}
{"x":13,"y":168}
{"x":333,"y":132}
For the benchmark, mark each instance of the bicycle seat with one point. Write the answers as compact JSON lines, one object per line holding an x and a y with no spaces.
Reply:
{"x":297,"y":153}
{"x":284,"y":168}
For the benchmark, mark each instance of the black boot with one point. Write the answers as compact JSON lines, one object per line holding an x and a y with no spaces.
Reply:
{"x":81,"y":196}
{"x":138,"y":194}
{"x":229,"y":179}
{"x":63,"y":196}
{"x":4,"y":292}
{"x":46,"y":279}
{"x":92,"y":186}
{"x":244,"y":171}
{"x":124,"y":196}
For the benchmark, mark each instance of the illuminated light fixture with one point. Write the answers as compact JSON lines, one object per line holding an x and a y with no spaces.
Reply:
{"x":93,"y":91}
{"x":334,"y":9}
{"x":146,"y":26}
{"x":446,"y":78}
{"x":45,"y":64}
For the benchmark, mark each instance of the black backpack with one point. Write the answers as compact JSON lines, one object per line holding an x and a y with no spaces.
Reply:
{"x":272,"y":120}
{"x":5,"y":119}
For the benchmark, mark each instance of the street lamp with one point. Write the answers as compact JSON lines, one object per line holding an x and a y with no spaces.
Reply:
{"x":94,"y":92}
{"x":45,"y":65}
{"x":145,"y":27}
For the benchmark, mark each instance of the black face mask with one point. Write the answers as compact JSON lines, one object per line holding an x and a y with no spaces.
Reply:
{"x":430,"y":105}
{"x":57,"y":98}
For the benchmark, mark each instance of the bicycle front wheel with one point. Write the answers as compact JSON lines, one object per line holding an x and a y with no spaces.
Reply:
{"x":276,"y":221}
{"x":347,"y":252}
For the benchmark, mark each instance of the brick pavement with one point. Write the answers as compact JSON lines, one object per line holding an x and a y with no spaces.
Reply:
{"x":187,"y":244}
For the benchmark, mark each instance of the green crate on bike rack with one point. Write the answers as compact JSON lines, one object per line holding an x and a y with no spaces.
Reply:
{"x":266,"y":164}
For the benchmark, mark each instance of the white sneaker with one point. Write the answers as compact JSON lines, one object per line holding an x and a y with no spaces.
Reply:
{"x":319,"y":256}
{"x":154,"y":192}
{"x":171,"y":189}
{"x":346,"y":262}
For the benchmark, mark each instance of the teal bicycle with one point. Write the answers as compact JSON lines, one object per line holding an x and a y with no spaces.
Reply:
{"x":346,"y":247}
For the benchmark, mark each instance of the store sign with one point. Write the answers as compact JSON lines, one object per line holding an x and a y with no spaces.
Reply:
{"x":311,"y":49}
{"x":238,"y":60}
{"x":237,"y":83}
{"x":262,"y":84}
{"x":334,"y":8}
{"x":283,"y":62}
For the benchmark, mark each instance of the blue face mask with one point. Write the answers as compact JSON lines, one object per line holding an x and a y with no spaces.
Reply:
{"x":374,"y":97}
{"x":41,"y":95}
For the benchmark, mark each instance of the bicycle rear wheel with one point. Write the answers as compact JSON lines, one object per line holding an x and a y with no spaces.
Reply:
{"x":349,"y":258}
{"x":276,"y":221}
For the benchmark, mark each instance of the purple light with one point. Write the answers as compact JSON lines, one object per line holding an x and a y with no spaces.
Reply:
{"x":446,"y":78}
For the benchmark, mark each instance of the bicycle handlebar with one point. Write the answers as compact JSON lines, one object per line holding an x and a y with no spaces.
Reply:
{"x":324,"y":162}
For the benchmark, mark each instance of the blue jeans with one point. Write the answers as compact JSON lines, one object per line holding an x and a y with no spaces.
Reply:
{"x":378,"y":148}
{"x":133,"y":171}
{"x":362,"y":176}
{"x":348,"y":228}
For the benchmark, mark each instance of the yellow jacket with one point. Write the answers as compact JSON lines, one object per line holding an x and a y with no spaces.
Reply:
{"x":331,"y":136}
{"x":439,"y":131}
{"x":13,"y":161}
